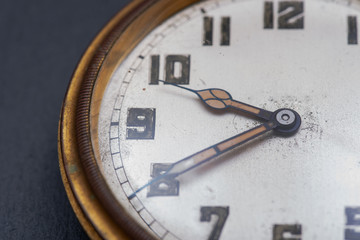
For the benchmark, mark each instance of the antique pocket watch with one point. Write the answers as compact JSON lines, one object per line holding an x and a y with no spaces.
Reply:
{"x":218,"y":119}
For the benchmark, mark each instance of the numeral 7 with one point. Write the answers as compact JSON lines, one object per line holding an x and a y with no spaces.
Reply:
{"x":221,"y":212}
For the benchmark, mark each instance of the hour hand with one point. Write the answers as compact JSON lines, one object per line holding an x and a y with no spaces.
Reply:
{"x":220,"y":99}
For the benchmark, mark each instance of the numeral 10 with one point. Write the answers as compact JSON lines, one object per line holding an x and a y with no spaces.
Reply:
{"x":177,"y":69}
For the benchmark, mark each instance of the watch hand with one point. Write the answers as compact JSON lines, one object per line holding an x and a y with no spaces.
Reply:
{"x":211,"y":152}
{"x":283,"y":121}
{"x":220,"y":99}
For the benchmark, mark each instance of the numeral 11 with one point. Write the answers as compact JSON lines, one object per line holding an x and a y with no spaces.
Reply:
{"x":209,"y":29}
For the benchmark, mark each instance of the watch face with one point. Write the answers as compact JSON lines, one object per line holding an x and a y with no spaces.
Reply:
{"x":237,"y":120}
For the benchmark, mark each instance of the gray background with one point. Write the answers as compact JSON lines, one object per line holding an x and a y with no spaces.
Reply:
{"x":40,"y":44}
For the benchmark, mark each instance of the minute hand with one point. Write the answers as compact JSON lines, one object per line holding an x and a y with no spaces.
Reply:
{"x":220,"y":99}
{"x":209,"y":153}
{"x":218,"y":149}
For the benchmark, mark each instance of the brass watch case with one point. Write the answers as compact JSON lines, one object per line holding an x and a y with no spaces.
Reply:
{"x":91,"y":199}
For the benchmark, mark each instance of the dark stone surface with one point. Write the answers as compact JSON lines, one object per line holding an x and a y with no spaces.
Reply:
{"x":41,"y":42}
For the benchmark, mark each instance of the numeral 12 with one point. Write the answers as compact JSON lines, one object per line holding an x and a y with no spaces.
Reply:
{"x":290,"y":15}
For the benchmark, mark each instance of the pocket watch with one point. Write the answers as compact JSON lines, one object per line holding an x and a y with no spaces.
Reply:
{"x":218,"y":119}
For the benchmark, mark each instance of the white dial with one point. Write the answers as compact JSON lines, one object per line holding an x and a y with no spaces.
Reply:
{"x":301,"y":55}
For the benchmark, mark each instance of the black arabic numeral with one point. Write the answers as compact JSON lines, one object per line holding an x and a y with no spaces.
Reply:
{"x":208,"y":31}
{"x":166,"y":186}
{"x":290,"y":15}
{"x":352,"y":226}
{"x":280,"y":230}
{"x":140,"y":123}
{"x":221,"y":212}
{"x":177,"y":69}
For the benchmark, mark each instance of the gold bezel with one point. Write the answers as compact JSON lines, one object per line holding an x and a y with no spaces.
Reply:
{"x":93,"y":202}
